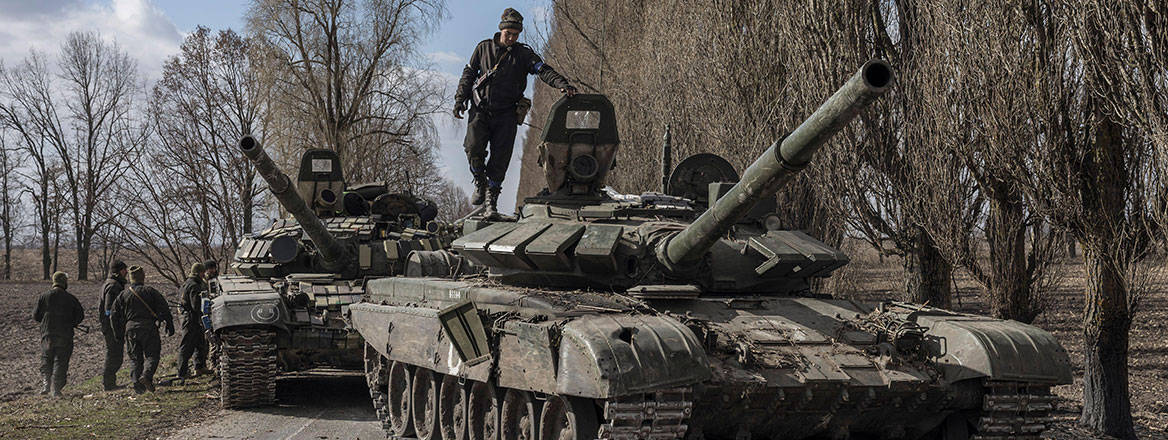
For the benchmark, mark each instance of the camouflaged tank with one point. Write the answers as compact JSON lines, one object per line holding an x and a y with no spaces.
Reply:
{"x":650,"y":317}
{"x":279,"y":308}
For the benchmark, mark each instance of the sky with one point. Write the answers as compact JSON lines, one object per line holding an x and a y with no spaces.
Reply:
{"x":152,"y":30}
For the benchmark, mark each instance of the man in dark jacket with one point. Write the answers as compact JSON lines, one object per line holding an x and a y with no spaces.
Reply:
{"x":494,"y":81}
{"x":193,"y":342}
{"x":136,"y":316}
{"x":113,"y":286}
{"x":59,"y":312}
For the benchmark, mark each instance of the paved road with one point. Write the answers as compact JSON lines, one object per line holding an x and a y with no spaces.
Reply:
{"x":312,"y":407}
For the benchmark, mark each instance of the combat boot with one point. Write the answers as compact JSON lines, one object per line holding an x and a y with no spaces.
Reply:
{"x":492,"y":202}
{"x":480,"y":191}
{"x":56,"y":391}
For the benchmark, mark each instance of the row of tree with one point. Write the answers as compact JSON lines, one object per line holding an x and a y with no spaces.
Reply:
{"x":111,"y":165}
{"x":1011,"y":126}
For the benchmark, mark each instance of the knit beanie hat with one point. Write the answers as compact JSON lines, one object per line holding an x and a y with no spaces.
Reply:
{"x":511,"y":19}
{"x":117,"y":266}
{"x":61,"y":279}
{"x":210,"y":264}
{"x":137,"y":274}
{"x":197,"y":270}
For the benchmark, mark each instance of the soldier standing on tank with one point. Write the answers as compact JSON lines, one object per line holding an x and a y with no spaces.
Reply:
{"x":136,"y":316}
{"x":494,"y":81}
{"x":58,"y":312}
{"x":113,"y":286}
{"x":193,"y":342}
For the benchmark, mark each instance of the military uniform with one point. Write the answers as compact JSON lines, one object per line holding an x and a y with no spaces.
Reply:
{"x":114,"y":347}
{"x":136,"y":315}
{"x":193,"y":342}
{"x":492,"y":119}
{"x":58,"y":313}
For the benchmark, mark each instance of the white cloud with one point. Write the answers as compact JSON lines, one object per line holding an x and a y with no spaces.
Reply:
{"x":446,"y":58}
{"x":137,"y":26}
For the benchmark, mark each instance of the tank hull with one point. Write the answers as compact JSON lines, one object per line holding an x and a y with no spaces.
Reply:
{"x":780,"y":367}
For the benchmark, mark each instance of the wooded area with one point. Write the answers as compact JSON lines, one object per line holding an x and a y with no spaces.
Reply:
{"x":113,"y":166}
{"x":1013,"y":129}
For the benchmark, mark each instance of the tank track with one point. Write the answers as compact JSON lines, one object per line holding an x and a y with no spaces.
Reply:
{"x":1014,"y":411}
{"x":661,"y":415}
{"x":247,"y":366}
{"x":375,"y":370}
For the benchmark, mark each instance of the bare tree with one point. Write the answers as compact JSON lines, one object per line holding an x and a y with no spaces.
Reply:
{"x":81,"y":119}
{"x":346,"y":79}
{"x":10,"y":212}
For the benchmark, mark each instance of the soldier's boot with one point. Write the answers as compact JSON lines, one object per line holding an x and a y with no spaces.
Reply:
{"x":56,"y":390}
{"x":492,"y":201}
{"x":48,"y":384}
{"x":480,"y":192}
{"x":139,"y":386}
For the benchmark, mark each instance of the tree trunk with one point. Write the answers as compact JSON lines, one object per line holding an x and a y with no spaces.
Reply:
{"x":927,"y":274}
{"x":82,"y":261}
{"x":1071,"y":248}
{"x":1106,"y":322}
{"x":1009,"y":287}
{"x":1106,"y":317}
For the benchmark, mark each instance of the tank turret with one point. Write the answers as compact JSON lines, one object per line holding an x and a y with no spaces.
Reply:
{"x":574,"y":234}
{"x":334,"y":255}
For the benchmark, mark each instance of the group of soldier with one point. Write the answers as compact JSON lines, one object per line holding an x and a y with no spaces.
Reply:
{"x":131,"y":314}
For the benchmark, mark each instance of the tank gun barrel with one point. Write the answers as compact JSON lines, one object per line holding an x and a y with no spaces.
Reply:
{"x":334,"y":253}
{"x":777,"y":165}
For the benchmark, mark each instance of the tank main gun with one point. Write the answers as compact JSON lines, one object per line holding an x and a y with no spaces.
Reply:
{"x":775,"y":168}
{"x":335,"y":256}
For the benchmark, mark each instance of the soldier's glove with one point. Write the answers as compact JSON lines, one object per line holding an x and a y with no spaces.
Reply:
{"x":459,"y":109}
{"x":570,"y":91}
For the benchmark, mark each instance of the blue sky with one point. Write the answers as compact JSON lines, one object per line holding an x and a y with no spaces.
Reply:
{"x":152,"y":30}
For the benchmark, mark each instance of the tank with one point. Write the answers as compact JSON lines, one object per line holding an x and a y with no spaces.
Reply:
{"x":279,"y":307}
{"x":608,"y":316}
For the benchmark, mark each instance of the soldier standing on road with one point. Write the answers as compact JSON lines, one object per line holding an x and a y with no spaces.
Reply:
{"x":113,"y":286}
{"x":494,"y":81}
{"x":136,"y":316}
{"x":58,"y":312}
{"x":193,"y":342}
{"x":211,"y":275}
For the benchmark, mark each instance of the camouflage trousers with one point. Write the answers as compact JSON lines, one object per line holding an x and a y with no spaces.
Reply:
{"x":193,"y":344}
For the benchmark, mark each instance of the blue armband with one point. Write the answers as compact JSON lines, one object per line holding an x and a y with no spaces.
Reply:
{"x":107,"y":312}
{"x":535,"y":68}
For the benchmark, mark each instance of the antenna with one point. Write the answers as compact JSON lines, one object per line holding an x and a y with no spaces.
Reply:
{"x":666,"y":160}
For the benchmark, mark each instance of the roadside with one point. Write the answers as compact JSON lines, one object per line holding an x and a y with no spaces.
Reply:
{"x":86,"y":411}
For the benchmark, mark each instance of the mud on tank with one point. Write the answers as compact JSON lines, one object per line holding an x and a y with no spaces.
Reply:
{"x":280,"y":308}
{"x":650,"y":317}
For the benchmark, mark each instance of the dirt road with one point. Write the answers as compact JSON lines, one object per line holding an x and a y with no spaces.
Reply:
{"x":312,"y":407}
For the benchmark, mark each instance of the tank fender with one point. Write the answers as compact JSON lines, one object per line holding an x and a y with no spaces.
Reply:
{"x":968,"y":347}
{"x":249,"y":310}
{"x":412,"y":335}
{"x":603,"y":356}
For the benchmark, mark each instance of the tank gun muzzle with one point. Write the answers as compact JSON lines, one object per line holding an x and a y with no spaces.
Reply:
{"x":334,"y":254}
{"x":777,"y":165}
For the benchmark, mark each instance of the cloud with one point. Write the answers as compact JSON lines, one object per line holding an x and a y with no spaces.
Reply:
{"x":137,"y":26}
{"x":446,"y":58}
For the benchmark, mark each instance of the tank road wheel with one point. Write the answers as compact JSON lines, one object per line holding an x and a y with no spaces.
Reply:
{"x":518,"y":416}
{"x":400,"y":387}
{"x":452,"y":409}
{"x":568,"y":418}
{"x":482,"y":412}
{"x":425,"y":404}
{"x":376,"y":369}
{"x":248,"y":368}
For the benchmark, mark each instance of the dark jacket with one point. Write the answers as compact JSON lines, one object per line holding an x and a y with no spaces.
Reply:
{"x":509,"y":82}
{"x":192,"y":293}
{"x":58,"y":312}
{"x":140,"y":306}
{"x":113,"y":286}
